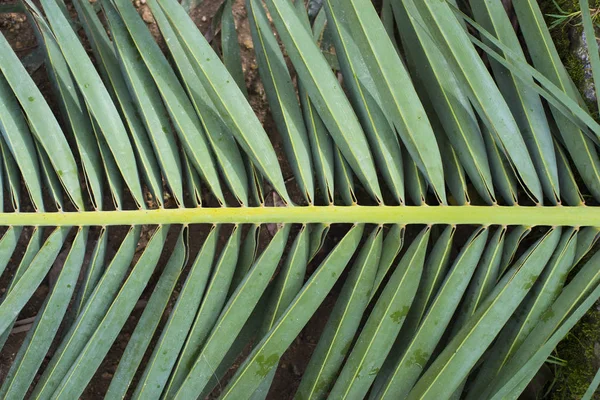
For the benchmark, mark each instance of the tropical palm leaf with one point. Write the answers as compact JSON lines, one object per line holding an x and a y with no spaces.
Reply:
{"x":410,"y":190}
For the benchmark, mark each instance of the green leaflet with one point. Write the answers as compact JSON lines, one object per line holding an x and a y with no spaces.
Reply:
{"x":18,"y":140}
{"x":97,"y":98}
{"x":525,"y":104}
{"x":39,"y":338}
{"x":174,"y":333}
{"x":434,"y":323}
{"x":286,"y":287}
{"x":399,"y":100}
{"x":318,"y":235}
{"x":320,"y":141}
{"x":50,"y":178}
{"x":266,"y":353}
{"x":33,"y":247}
{"x":380,"y":133}
{"x":416,"y":184}
{"x":115,"y":181}
{"x":282,"y":98}
{"x":482,"y":283}
{"x":344,"y":179}
{"x":448,"y":99}
{"x":243,"y":341}
{"x":232,"y":318}
{"x":226,"y":151}
{"x":93,"y":272}
{"x":512,"y":242}
{"x":485,"y":95}
{"x":587,"y":237}
{"x":8,"y":243}
{"x":31,"y":278}
{"x":231,"y":47}
{"x":392,"y":244}
{"x":384,"y":323}
{"x":75,"y":112}
{"x":149,"y":104}
{"x":575,"y":300}
{"x":89,"y":359}
{"x":89,"y":318}
{"x":178,"y":105}
{"x":192,"y":180}
{"x":546,"y":60}
{"x":434,"y":272}
{"x":331,"y":103}
{"x":13,"y":178}
{"x":248,"y":253}
{"x":343,"y":322}
{"x":226,"y":96}
{"x":569,"y":189}
{"x":504,"y":177}
{"x":117,"y":85}
{"x":542,"y":295}
{"x":574,"y":294}
{"x":455,"y":361}
{"x":40,"y":119}
{"x":321,"y":146}
{"x":148,"y":322}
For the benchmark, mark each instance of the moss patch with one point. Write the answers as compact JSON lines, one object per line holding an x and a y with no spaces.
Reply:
{"x":573,"y":379}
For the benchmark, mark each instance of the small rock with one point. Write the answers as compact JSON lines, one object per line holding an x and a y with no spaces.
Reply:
{"x":107,"y":375}
{"x":143,"y":1}
{"x":147,"y":16}
{"x":137,"y":3}
{"x":296,"y":370}
{"x":17,"y":26}
{"x":248,"y":44}
{"x":204,"y":18}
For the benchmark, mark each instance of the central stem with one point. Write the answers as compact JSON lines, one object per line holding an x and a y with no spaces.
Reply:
{"x":452,"y":215}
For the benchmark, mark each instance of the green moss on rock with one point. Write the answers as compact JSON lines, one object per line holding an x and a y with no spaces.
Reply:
{"x":579,"y":352}
{"x":562,"y":34}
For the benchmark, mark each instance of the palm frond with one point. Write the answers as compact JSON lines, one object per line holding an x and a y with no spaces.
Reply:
{"x":443,"y":199}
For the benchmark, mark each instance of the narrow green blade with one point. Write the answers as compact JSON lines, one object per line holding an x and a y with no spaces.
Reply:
{"x":326,"y":93}
{"x":268,"y":351}
{"x":148,"y":322}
